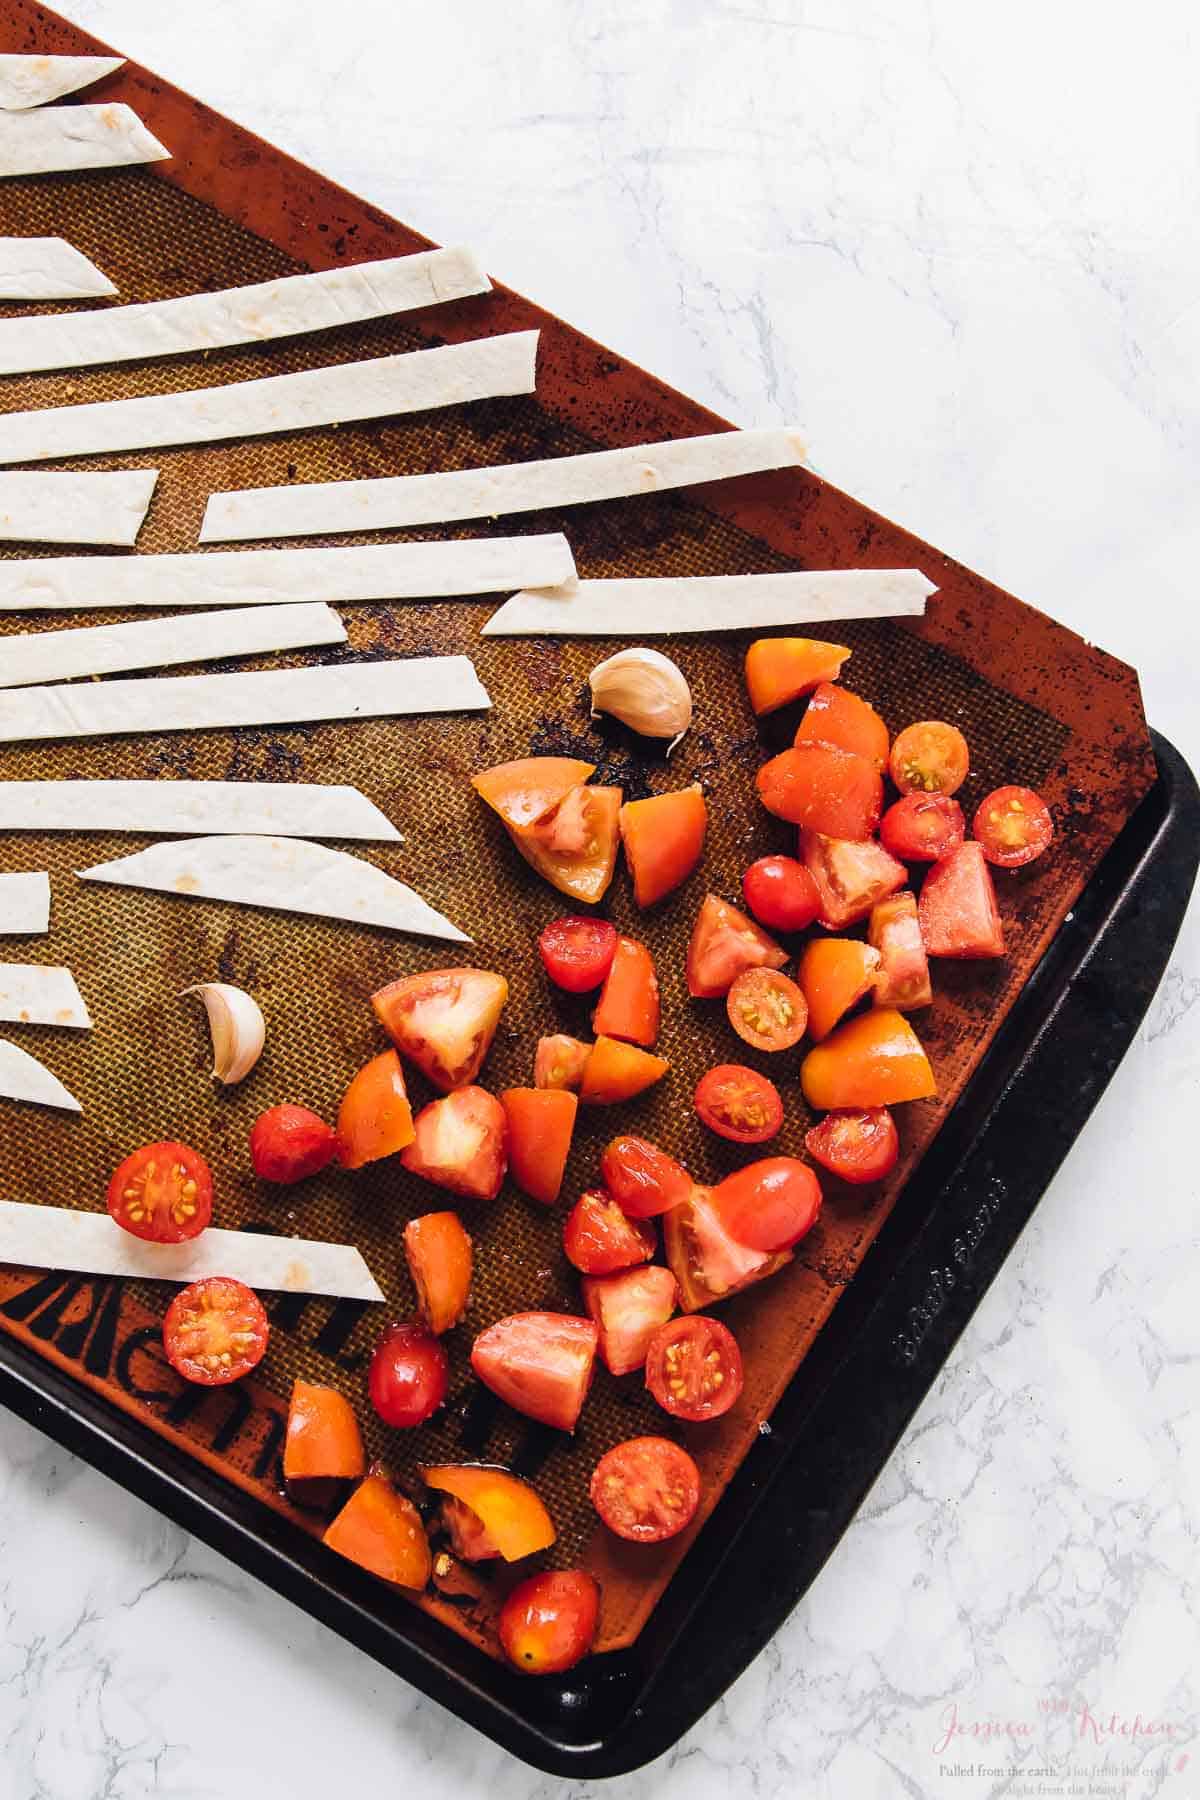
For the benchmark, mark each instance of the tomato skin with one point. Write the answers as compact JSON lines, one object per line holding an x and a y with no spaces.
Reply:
{"x":443,"y":1020}
{"x":769,"y":1205}
{"x":874,"y":1059}
{"x":930,"y":757}
{"x":922,"y":827}
{"x":1014,"y":826}
{"x":509,"y":1510}
{"x":560,"y":1061}
{"x":646,"y":1489}
{"x":859,"y":1144}
{"x":707,"y":1263}
{"x":290,"y":1143}
{"x":628,"y":1308}
{"x":381,"y":1530}
{"x":374,"y":1119}
{"x":162,"y":1193}
{"x":600,"y":1239}
{"x":902,"y":979}
{"x":723,"y":943}
{"x":577,"y":953}
{"x":739,"y":1104}
{"x":835,"y":974}
{"x":460,"y":1143}
{"x":850,"y":877}
{"x":541,"y":1363}
{"x":616,"y":1071}
{"x":521,"y":792}
{"x":323,"y":1441}
{"x":766,"y":1009}
{"x":694,"y":1368}
{"x":845,"y":720}
{"x":663,"y":838}
{"x":629,"y":1002}
{"x":642,"y":1179}
{"x":823,"y":789}
{"x":440,"y":1260}
{"x":781,"y":893}
{"x":215,"y":1331}
{"x":779,"y":670}
{"x":408,"y":1376}
{"x":548,"y":1623}
{"x":540,"y":1124}
{"x":957,"y":910}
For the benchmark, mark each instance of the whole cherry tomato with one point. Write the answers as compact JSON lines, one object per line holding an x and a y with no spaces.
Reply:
{"x":409,"y":1375}
{"x":289,"y":1143}
{"x":549,"y":1621}
{"x":781,"y":893}
{"x":642,"y":1179}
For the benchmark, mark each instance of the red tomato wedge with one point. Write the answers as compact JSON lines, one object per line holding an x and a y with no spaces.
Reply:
{"x":162,"y":1193}
{"x":707,"y":1263}
{"x":548,"y":1623}
{"x":850,"y":877}
{"x":836,"y":716}
{"x":769,"y":1205}
{"x":835,"y":974}
{"x":694,"y":1368}
{"x":375,"y":1119}
{"x":781,"y":893}
{"x":616,"y":1071}
{"x":574,"y":846}
{"x":781,"y":669}
{"x":628,"y":1308}
{"x":859,"y":1145}
{"x":766,"y":1009}
{"x":957,"y":909}
{"x":440,"y":1260}
{"x":629,"y":1004}
{"x":930,"y":758}
{"x":408,"y":1375}
{"x":875,"y":1059}
{"x":559,"y":1061}
{"x":642,"y":1179}
{"x":540,"y":1124}
{"x":646,"y":1489}
{"x":601,"y":1239}
{"x":443,"y":1020}
{"x":739,"y":1104}
{"x":723,"y":943}
{"x":577,"y":953}
{"x":510,"y":1512}
{"x":902,"y":979}
{"x":290,"y":1143}
{"x":323,"y":1442}
{"x":922,"y":827}
{"x":382,"y":1531}
{"x":460,"y":1142}
{"x":525,"y":790}
{"x":540,"y":1363}
{"x":663,"y":838}
{"x":823,"y":789}
{"x":1014,"y":826}
{"x":215,"y":1331}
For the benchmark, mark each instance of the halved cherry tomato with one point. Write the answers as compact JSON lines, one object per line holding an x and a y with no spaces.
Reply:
{"x":1014,"y":826}
{"x":629,"y":1003}
{"x":382,"y":1531}
{"x":525,"y":790}
{"x":694,"y":1368}
{"x":642,"y":1179}
{"x":509,"y":1511}
{"x":723,"y":943}
{"x":540,"y":1363}
{"x":781,"y":893}
{"x":574,"y":845}
{"x":902,"y":979}
{"x":323,"y":1442}
{"x":628,"y":1308}
{"x":290,"y":1143}
{"x":577,"y":953}
{"x":646,"y":1489}
{"x":559,"y":1062}
{"x":440,"y":1260}
{"x":739,"y":1104}
{"x":922,"y":827}
{"x":600,"y":1239}
{"x":215,"y":1331}
{"x":824,"y":789}
{"x":850,"y":877}
{"x":835,"y":973}
{"x":858,"y":1145}
{"x":162,"y":1193}
{"x":540,"y":1124}
{"x":408,"y":1376}
{"x":615,"y":1071}
{"x":769,"y":1205}
{"x":443,"y":1020}
{"x":875,"y":1059}
{"x":374,"y":1119}
{"x":460,"y":1142}
{"x":781,"y":669}
{"x":766,"y":1009}
{"x":663,"y":839}
{"x":957,"y":909}
{"x":707,"y":1263}
{"x":548,"y":1623}
{"x":930,"y":758}
{"x":836,"y":716}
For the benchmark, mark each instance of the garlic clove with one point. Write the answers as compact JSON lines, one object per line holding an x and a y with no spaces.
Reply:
{"x":237,"y":1027}
{"x":645,"y":690}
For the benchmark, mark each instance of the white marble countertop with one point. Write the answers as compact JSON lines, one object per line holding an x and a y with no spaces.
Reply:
{"x":961,"y":248}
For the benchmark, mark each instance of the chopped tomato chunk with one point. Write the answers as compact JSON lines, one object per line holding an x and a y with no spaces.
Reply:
{"x":875,"y":1059}
{"x":835,"y":974}
{"x":375,"y":1119}
{"x":559,"y":1061}
{"x":382,"y":1531}
{"x":707,"y":1263}
{"x":723,"y":943}
{"x":540,"y":1124}
{"x":824,"y":789}
{"x":664,"y":840}
{"x":617,"y":1071}
{"x":440,"y":1260}
{"x":525,"y":790}
{"x":930,"y":758}
{"x":508,"y":1509}
{"x":850,"y":877}
{"x":323,"y":1441}
{"x":858,"y":1145}
{"x":1014,"y":826}
{"x":461,"y":1143}
{"x":601,"y":1239}
{"x":957,"y":910}
{"x":836,"y":716}
{"x":443,"y":1020}
{"x":290,"y":1143}
{"x":781,"y":669}
{"x":574,"y":846}
{"x":902,"y":980}
{"x":628,"y":1308}
{"x":540,"y":1363}
{"x":629,"y":1003}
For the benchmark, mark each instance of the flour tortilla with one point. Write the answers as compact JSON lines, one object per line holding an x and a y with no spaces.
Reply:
{"x":62,"y":139}
{"x":34,"y":80}
{"x":48,"y":268}
{"x":25,"y":903}
{"x":269,"y":309}
{"x":34,"y":994}
{"x":662,"y":606}
{"x":171,"y":808}
{"x":308,"y":508}
{"x":23,"y":1077}
{"x":414,"y":684}
{"x":40,"y":656}
{"x":285,"y":874}
{"x":42,"y":508}
{"x":270,"y":577}
{"x":413,"y":381}
{"x":91,"y":1243}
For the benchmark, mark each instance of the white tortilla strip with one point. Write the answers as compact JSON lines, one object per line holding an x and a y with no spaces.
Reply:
{"x":54,"y":1237}
{"x":23,"y":1077}
{"x":267,"y":808}
{"x":662,"y":606}
{"x":25,"y":904}
{"x":35,"y":80}
{"x":159,"y":643}
{"x":412,"y":381}
{"x":48,"y":268}
{"x":375,"y":690}
{"x":75,"y":508}
{"x":62,"y":139}
{"x":391,"y":501}
{"x":287,"y":874}
{"x":34,"y":994}
{"x":270,"y":577}
{"x":269,"y":309}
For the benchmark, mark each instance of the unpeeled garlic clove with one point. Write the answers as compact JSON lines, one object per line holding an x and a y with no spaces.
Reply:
{"x":237,"y":1026}
{"x":645,"y":690}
